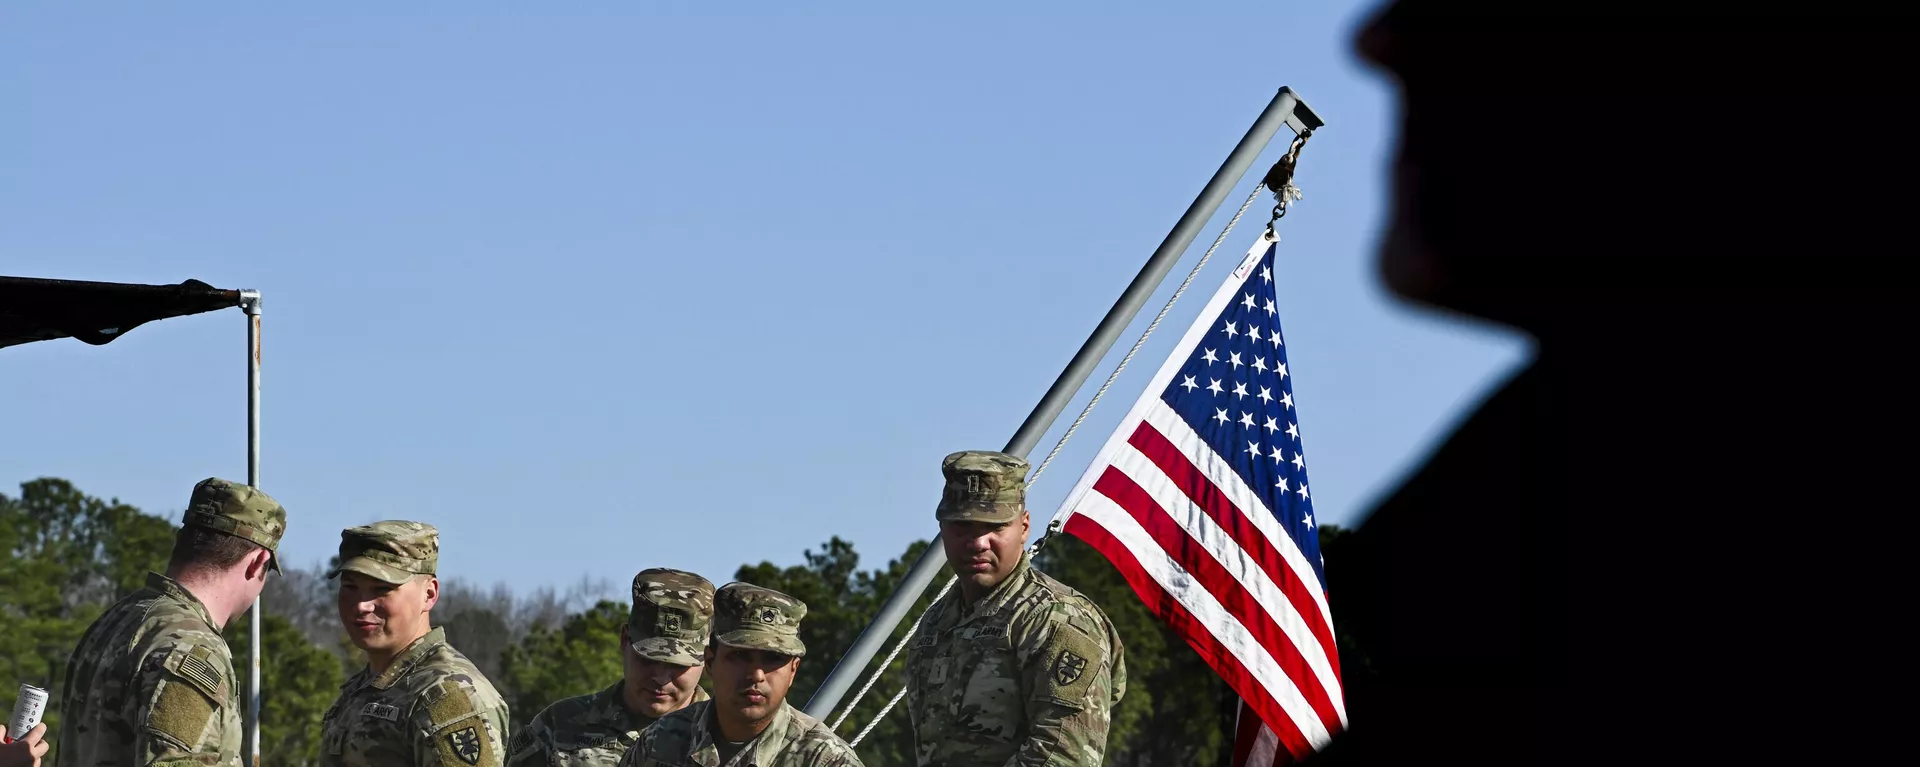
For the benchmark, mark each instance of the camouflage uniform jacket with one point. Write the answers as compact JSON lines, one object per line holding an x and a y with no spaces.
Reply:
{"x":430,"y":707}
{"x":684,"y":738}
{"x":592,"y":730}
{"x":1027,"y":676}
{"x":151,"y":683}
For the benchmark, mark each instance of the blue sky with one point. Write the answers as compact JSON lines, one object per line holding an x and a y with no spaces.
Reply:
{"x":621,"y":285}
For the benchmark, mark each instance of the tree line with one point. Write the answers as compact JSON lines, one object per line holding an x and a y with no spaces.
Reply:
{"x":71,"y":555}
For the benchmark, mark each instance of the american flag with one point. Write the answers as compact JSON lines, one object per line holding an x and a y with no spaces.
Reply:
{"x":1200,"y":499}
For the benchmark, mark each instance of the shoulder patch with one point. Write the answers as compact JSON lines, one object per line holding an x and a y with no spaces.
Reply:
{"x":451,"y":704}
{"x":197,"y":666}
{"x":1072,"y":659}
{"x":466,"y":743}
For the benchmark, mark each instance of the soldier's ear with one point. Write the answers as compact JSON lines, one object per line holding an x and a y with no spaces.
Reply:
{"x":432,"y":586}
{"x":256,"y":569}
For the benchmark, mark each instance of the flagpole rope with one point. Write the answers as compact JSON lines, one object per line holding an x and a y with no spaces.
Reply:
{"x":875,"y":676}
{"x":882,"y":715}
{"x":1195,"y":272}
{"x":1101,"y":392}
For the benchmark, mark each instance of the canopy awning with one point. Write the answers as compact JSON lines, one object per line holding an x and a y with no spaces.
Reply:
{"x":34,"y":309}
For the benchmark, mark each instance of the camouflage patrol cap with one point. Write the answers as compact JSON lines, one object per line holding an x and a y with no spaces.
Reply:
{"x":672,"y":610}
{"x":982,"y":486}
{"x":238,"y":510}
{"x":745,"y":615}
{"x":393,"y":551}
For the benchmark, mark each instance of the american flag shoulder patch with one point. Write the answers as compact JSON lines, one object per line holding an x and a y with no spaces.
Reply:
{"x":192,"y":665}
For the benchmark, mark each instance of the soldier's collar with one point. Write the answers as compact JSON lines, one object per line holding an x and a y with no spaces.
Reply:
{"x":1002,"y":593}
{"x":611,"y":703}
{"x":780,"y":730}
{"x":172,"y":588}
{"x":704,"y":725}
{"x":613,"y":697}
{"x":410,"y":656}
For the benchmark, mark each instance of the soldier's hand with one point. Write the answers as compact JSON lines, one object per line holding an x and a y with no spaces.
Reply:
{"x":26,"y":751}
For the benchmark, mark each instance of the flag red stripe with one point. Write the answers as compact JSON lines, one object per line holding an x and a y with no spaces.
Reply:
{"x":1192,"y":630}
{"x":1208,"y":572}
{"x":1232,"y":519}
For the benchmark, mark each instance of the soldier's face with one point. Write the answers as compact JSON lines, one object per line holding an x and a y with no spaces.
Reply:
{"x":750,"y":684}
{"x":982,"y":554}
{"x":656,"y":688}
{"x":383,"y":617}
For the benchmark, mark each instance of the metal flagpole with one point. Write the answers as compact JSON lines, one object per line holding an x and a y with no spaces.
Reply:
{"x":1285,"y":108}
{"x":250,"y":303}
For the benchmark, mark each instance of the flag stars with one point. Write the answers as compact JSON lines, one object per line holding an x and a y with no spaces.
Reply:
{"x":1272,"y":425}
{"x":1277,"y":460}
{"x":1253,"y":331}
{"x":1293,"y":430}
{"x":1254,"y":448}
{"x":1233,"y":358}
{"x":1213,"y":385}
{"x":1260,"y":363}
{"x":1308,"y":519}
{"x":1300,"y":461}
{"x":1271,"y":312}
{"x":1266,"y":396}
{"x":1302,"y":491}
{"x":1286,"y":398}
{"x":1249,"y":302}
{"x":1246,"y":419}
{"x":1266,"y":275}
{"x":1209,"y":357}
{"x":1189,"y":384}
{"x":1282,"y":484}
{"x":1275,"y":338}
{"x":1220,"y":414}
{"x":1240,"y":390}
{"x":1280,"y":369}
{"x":1232,"y":329}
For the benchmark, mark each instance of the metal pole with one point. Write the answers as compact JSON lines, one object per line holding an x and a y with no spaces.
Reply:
{"x":1279,"y":111}
{"x":250,"y":731}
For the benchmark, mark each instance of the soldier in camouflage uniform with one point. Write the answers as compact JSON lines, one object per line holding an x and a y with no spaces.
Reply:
{"x":1013,"y":667}
{"x":152,"y":682}
{"x":419,"y":702}
{"x":752,"y":658}
{"x":661,"y":648}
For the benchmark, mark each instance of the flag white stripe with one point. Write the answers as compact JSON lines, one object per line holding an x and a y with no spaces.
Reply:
{"x":1227,"y":629}
{"x":1228,"y":291}
{"x":1245,"y":569}
{"x":1190,"y":444}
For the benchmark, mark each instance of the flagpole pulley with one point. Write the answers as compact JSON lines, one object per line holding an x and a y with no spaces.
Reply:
{"x":1279,"y":180}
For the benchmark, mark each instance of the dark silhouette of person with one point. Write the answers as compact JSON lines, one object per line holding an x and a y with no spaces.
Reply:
{"x":1639,"y":547}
